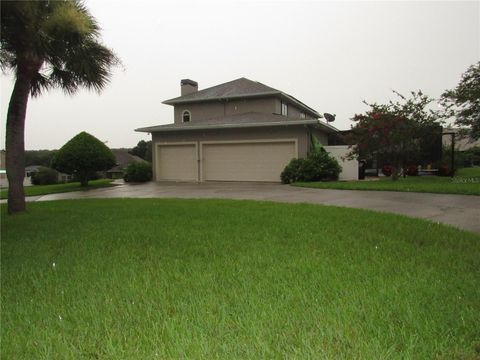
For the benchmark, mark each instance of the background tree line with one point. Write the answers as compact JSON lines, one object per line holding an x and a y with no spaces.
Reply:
{"x":44,"y":157}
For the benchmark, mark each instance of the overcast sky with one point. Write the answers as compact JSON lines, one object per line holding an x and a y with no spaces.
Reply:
{"x":330,"y":55}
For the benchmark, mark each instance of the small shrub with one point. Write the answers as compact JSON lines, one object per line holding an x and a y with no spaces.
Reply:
{"x":138,"y":171}
{"x":317,"y":166}
{"x":291,"y":172}
{"x":320,"y":166}
{"x":45,"y":176}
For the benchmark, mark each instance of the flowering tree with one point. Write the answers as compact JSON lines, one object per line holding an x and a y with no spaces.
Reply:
{"x":400,"y":132}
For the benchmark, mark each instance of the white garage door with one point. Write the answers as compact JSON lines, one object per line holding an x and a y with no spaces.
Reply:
{"x":254,"y":161}
{"x":177,"y":162}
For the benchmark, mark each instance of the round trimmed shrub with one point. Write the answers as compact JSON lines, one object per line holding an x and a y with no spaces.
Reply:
{"x":320,"y":166}
{"x":138,"y":171}
{"x":317,"y":166}
{"x":82,"y":156}
{"x":44,"y":176}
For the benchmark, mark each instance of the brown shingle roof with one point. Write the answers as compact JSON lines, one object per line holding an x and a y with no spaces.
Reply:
{"x":235,"y":88}
{"x":123,"y":158}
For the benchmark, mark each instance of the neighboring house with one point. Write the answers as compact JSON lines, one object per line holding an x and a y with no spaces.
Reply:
{"x":123,"y":158}
{"x":468,"y":148}
{"x":3,"y":173}
{"x":29,"y":170}
{"x":241,"y":130}
{"x":462,"y":141}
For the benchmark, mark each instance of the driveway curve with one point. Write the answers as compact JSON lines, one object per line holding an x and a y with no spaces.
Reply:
{"x":462,"y":211}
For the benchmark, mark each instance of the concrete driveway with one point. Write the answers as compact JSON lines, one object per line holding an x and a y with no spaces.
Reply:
{"x":462,"y":211}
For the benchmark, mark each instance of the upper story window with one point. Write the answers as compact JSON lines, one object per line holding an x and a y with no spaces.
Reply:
{"x":302,"y":115}
{"x":284,"y":109}
{"x":186,"y":116}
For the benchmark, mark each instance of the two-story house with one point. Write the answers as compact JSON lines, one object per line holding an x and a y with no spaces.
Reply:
{"x":241,"y":130}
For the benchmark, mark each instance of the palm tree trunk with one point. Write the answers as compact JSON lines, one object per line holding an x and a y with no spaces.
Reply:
{"x":15,"y":139}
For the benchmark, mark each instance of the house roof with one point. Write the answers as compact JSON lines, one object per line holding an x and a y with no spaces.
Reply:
{"x":33,"y":167}
{"x":252,"y":119}
{"x":123,"y":158}
{"x":236,"y":89}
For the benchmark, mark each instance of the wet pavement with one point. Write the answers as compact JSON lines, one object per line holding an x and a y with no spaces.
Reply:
{"x":462,"y":211}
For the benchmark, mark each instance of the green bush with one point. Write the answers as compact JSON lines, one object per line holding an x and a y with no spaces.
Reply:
{"x":317,"y":166}
{"x":291,"y":172}
{"x":138,"y":171}
{"x":83,"y":156}
{"x":44,"y":176}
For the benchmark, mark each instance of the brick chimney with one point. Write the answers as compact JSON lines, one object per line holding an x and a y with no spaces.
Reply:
{"x":188,"y":86}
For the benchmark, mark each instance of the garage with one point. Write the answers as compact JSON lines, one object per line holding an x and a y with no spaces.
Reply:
{"x":177,"y":162}
{"x":261,"y":160}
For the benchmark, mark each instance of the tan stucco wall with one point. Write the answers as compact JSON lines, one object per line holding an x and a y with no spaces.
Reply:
{"x":202,"y":111}
{"x":199,"y":111}
{"x":293,"y":111}
{"x":208,"y":110}
{"x":300,"y":133}
{"x":266,"y":105}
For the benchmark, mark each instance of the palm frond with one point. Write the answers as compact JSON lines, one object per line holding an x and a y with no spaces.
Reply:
{"x":40,"y":83}
{"x":91,"y":64}
{"x":94,"y":28}
{"x":63,"y":79}
{"x":63,"y":36}
{"x":7,"y":60}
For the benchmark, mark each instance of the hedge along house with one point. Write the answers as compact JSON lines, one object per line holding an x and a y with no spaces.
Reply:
{"x":241,"y":130}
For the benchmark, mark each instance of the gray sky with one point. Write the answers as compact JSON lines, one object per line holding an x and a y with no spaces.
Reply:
{"x":330,"y":55}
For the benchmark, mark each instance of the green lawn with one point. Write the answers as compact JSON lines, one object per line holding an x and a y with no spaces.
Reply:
{"x":220,"y":279}
{"x":473,"y":172}
{"x":466,"y":181}
{"x":60,"y":188}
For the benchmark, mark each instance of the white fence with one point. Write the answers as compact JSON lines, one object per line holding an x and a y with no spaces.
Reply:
{"x":349,"y":167}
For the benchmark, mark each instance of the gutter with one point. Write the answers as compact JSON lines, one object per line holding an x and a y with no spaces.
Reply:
{"x":233,"y":126}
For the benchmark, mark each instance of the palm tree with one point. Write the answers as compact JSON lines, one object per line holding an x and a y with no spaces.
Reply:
{"x":47,"y":44}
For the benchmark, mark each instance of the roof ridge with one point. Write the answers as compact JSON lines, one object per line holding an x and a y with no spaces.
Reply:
{"x":199,"y":93}
{"x":240,"y":78}
{"x":222,"y":84}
